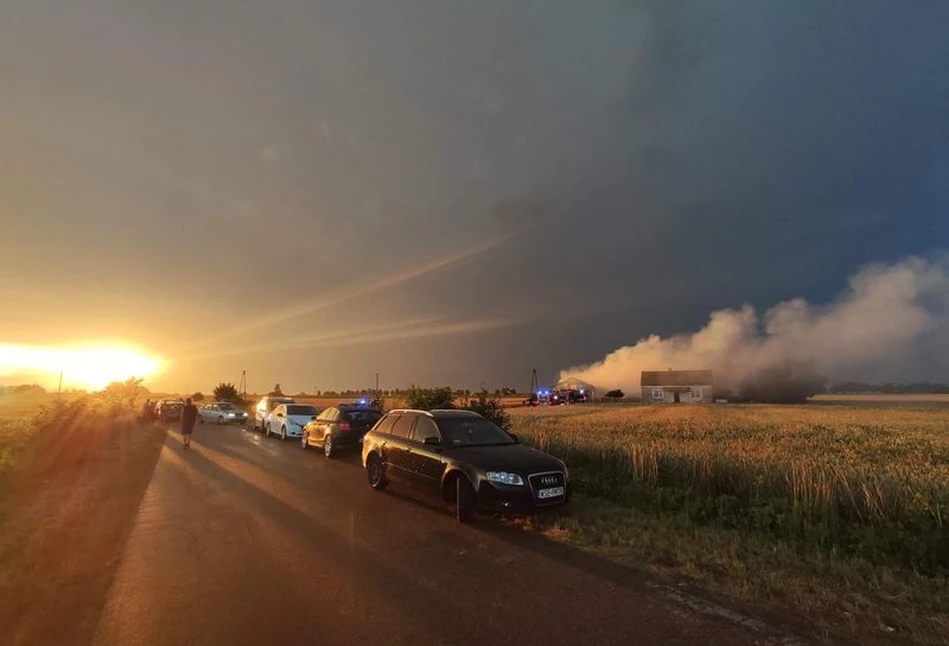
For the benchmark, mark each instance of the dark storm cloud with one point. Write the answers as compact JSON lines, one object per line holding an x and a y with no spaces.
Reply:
{"x":657,"y":159}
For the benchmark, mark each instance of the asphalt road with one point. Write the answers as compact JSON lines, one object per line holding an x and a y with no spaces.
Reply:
{"x":247,"y":540}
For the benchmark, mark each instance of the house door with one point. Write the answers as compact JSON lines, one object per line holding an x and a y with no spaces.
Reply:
{"x":675,"y":397}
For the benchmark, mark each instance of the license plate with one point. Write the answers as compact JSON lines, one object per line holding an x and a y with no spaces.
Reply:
{"x":553,"y":492}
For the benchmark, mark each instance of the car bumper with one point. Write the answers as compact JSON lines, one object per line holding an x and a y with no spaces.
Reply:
{"x":346,"y":441}
{"x":294,"y":432}
{"x":502,"y":498}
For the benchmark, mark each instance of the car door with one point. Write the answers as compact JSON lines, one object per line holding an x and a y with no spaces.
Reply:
{"x":205,"y":412}
{"x":325,"y":424}
{"x":425,"y":460}
{"x":397,"y":451}
{"x":276,"y":418}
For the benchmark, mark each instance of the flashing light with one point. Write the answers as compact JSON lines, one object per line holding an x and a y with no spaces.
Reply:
{"x":581,"y":391}
{"x":363,"y":402}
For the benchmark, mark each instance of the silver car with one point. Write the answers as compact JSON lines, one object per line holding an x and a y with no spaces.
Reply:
{"x":221,"y":413}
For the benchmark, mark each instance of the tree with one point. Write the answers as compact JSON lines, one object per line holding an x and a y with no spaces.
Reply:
{"x":197,"y":397}
{"x":124,"y":393}
{"x":490,"y":407}
{"x":226,"y":392}
{"x":276,"y":392}
{"x":429,"y":398}
{"x":615,"y":394}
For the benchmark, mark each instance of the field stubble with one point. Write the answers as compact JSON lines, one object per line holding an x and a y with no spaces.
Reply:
{"x":840,"y":511}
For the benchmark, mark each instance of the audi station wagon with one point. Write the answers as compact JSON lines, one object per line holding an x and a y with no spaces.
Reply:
{"x":466,"y":459}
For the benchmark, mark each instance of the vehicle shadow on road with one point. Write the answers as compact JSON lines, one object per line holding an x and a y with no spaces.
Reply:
{"x":387,"y":582}
{"x":239,"y":448}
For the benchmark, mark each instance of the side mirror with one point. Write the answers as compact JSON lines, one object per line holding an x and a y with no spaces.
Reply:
{"x":312,"y":418}
{"x":279,"y":414}
{"x":432,"y":441}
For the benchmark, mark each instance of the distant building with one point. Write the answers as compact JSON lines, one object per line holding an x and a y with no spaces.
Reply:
{"x":676,"y":386}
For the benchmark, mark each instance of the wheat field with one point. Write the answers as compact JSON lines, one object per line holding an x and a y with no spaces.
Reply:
{"x":840,"y":511}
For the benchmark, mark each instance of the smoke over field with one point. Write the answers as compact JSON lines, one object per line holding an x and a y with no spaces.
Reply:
{"x":890,"y":321}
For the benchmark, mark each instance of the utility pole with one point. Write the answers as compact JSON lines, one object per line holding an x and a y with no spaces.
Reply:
{"x":377,"y":385}
{"x":59,"y":390}
{"x":243,"y":386}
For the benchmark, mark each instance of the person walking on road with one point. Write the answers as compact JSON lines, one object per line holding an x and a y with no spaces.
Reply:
{"x":188,"y":416}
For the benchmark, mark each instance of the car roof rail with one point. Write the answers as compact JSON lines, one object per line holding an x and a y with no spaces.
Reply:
{"x":460,"y":411}
{"x":411,"y":410}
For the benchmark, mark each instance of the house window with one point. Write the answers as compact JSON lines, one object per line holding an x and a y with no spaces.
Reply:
{"x":697,"y":393}
{"x":658,"y":393}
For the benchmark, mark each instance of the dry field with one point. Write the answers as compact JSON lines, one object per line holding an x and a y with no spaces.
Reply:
{"x":881,"y":398}
{"x":839,"y":511}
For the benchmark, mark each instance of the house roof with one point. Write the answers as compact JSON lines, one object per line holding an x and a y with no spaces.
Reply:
{"x":676,"y":378}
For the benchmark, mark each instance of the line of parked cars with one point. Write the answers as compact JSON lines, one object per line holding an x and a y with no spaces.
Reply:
{"x":460,"y":456}
{"x":169,"y":410}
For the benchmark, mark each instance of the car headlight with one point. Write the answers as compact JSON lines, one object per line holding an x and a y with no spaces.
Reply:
{"x":505,"y":478}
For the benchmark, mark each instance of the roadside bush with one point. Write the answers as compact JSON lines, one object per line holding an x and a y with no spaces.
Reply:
{"x":429,"y":398}
{"x":489,"y":406}
{"x":197,"y":397}
{"x":226,"y":392}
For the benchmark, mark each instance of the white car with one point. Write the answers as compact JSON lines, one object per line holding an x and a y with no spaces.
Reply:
{"x":221,"y":413}
{"x":264,"y":410}
{"x":288,"y":420}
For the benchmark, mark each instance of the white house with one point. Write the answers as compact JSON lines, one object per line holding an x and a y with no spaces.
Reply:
{"x":676,"y":386}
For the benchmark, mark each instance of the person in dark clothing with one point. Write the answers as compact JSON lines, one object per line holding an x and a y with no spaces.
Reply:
{"x":188,"y":416}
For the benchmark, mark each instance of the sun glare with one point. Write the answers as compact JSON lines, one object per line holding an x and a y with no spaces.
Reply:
{"x":90,"y":367}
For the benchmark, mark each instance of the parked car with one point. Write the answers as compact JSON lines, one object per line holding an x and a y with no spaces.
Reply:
{"x":169,"y":410}
{"x":222,"y":413}
{"x":264,"y":410}
{"x":340,"y":427}
{"x":288,"y":420}
{"x":466,"y":459}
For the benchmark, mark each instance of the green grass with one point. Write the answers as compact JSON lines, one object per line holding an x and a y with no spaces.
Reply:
{"x":838,"y":511}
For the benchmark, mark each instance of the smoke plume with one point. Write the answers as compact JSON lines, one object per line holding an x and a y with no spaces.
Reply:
{"x":890,"y":322}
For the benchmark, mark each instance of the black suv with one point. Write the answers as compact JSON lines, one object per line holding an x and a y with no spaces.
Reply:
{"x":464,"y":457}
{"x":339,"y":427}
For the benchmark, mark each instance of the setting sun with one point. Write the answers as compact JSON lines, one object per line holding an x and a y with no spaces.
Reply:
{"x":91,"y":367}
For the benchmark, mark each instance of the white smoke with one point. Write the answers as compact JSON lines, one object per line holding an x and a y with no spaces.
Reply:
{"x":888,"y":320}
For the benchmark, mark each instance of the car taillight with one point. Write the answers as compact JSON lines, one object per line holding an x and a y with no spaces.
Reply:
{"x":344,"y":427}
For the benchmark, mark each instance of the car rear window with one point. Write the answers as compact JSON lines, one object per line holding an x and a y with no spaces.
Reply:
{"x":301,"y":410}
{"x":403,"y":428}
{"x":385,"y":426}
{"x":362,"y":417}
{"x":273,"y":403}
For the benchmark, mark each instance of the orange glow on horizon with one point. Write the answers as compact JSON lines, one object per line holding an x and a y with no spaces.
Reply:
{"x":91,"y":367}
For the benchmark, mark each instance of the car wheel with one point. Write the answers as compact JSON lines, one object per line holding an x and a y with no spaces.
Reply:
{"x":464,"y":500}
{"x":305,"y":441}
{"x":328,"y":445}
{"x":220,"y":419}
{"x":266,"y":430}
{"x":283,"y":433}
{"x":375,"y":472}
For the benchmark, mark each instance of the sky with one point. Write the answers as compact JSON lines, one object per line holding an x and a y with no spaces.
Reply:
{"x":453,"y":192}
